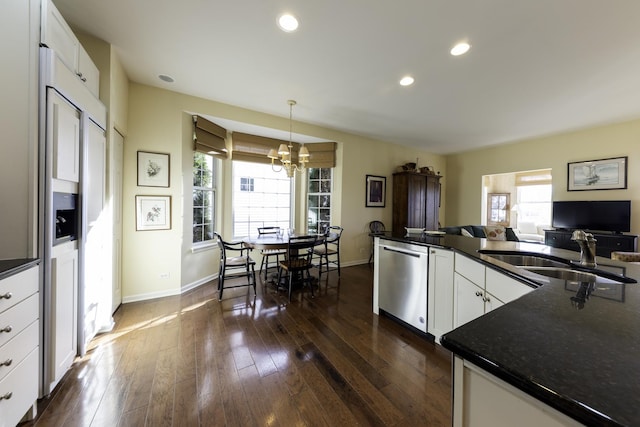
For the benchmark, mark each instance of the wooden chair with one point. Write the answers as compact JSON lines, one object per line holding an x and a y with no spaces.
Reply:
{"x":329,"y":253}
{"x":235,"y":262}
{"x":298,"y":263}
{"x":375,"y":227}
{"x":269,"y":253}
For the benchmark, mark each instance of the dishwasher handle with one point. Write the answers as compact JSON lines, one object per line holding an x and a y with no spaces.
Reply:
{"x":413,"y":254}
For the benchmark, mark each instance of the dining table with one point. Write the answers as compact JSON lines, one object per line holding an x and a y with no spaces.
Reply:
{"x":276,"y":241}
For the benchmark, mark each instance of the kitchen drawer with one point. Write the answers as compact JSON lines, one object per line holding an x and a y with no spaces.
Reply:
{"x":18,"y":317}
{"x":19,"y":286}
{"x":470,"y":269}
{"x":504,"y":287}
{"x":22,"y":387}
{"x":12,"y":353}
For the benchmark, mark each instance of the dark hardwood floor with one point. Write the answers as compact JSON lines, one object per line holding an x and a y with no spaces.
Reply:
{"x":192,"y":360}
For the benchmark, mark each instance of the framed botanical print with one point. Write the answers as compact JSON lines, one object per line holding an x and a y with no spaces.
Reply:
{"x":153,"y":169}
{"x":153,"y":213}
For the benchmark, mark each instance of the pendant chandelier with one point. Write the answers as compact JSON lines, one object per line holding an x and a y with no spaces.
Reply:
{"x":284,"y":153}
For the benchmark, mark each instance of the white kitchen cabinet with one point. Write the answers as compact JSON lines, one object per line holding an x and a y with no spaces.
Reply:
{"x":468,"y":300}
{"x":57,"y":35}
{"x":19,"y":346}
{"x":19,"y":34}
{"x":503,"y":287}
{"x":64,"y":286}
{"x":479,"y":289}
{"x":481,"y":399}
{"x":441,"y":287}
{"x":65,"y":137}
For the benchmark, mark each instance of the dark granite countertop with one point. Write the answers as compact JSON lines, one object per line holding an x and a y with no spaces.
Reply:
{"x":9,"y":267}
{"x":585,"y":362}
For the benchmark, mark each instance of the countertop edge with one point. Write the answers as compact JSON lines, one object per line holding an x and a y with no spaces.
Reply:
{"x":11,"y":267}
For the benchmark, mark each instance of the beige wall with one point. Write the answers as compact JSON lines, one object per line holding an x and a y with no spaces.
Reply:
{"x":466,"y":169}
{"x":159,"y":121}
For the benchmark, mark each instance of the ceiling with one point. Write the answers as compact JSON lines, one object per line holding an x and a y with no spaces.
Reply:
{"x":535,"y":67}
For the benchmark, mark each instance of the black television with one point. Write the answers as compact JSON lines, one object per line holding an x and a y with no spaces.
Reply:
{"x":603,"y":215}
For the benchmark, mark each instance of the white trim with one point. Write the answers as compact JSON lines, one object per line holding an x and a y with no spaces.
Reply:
{"x":199,"y":282}
{"x":205,"y":246}
{"x":154,"y":295}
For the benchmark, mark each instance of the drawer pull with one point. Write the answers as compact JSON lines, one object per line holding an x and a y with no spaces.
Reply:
{"x":6,"y":396}
{"x":8,"y":295}
{"x":6,"y":329}
{"x":7,"y":362}
{"x":478,"y":293}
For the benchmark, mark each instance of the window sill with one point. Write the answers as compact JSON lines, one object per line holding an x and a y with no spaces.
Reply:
{"x":200,"y":247}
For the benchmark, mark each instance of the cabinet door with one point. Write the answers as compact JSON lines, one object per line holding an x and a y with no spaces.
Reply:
{"x":491,"y":302}
{"x":64,"y":286}
{"x":440,"y":313}
{"x":57,"y":35}
{"x":432,"y":208}
{"x":88,"y":72}
{"x":504,"y":287}
{"x":416,"y":201}
{"x":65,"y":128}
{"x":468,"y":301}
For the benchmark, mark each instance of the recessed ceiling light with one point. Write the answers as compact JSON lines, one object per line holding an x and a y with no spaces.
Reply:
{"x":406,"y":81}
{"x":460,"y":49}
{"x":166,"y":78}
{"x":288,"y":22}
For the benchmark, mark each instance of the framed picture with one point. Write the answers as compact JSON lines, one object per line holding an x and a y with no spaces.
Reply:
{"x":498,"y":209}
{"x":604,"y":174}
{"x":153,"y":169}
{"x":376,"y":191}
{"x":153,"y":213}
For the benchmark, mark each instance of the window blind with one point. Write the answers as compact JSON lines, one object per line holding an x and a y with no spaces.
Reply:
{"x":539,"y":177}
{"x":209,"y":138}
{"x":253,"y":148}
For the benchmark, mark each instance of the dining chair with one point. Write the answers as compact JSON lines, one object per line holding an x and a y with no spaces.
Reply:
{"x":235,"y":261}
{"x":375,"y":227}
{"x":329,"y":252}
{"x":269,"y":253}
{"x":297,"y":264}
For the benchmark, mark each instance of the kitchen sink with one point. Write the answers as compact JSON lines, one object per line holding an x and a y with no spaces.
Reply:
{"x":576,"y":275}
{"x":528,"y":260}
{"x":555,"y":267}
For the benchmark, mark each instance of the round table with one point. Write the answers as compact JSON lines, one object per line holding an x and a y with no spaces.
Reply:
{"x":273,"y":241}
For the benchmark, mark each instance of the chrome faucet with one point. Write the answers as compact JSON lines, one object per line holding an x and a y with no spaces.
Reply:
{"x":587,"y":247}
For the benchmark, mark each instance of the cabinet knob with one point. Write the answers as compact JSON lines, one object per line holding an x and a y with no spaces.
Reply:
{"x":486,"y":299}
{"x":6,"y":329}
{"x":6,"y":396}
{"x":84,"y":79}
{"x":7,"y":362}
{"x":8,"y":295}
{"x":478,"y":293}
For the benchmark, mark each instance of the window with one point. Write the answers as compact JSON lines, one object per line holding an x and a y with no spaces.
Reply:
{"x":319,"y":199}
{"x":204,"y":196}
{"x":261,"y":197}
{"x":246,"y":184}
{"x":534,"y":204}
{"x":498,"y":209}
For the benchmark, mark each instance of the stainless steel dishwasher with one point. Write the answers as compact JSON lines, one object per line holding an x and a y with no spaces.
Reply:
{"x":402,"y":289}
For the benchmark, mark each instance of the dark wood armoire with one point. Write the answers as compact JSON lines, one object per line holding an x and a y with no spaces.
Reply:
{"x":416,"y":200}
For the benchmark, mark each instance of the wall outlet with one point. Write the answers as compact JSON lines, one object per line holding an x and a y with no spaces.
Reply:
{"x":164,"y":275}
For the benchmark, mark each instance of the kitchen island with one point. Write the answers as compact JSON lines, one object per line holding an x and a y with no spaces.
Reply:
{"x":576,"y":352}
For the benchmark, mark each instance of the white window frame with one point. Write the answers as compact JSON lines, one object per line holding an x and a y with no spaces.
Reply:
{"x":214,"y":197}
